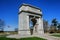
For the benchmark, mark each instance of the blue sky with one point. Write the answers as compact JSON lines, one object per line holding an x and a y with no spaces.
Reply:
{"x":9,"y":10}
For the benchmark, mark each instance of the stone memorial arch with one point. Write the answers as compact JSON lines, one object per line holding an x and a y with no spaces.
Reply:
{"x":27,"y":12}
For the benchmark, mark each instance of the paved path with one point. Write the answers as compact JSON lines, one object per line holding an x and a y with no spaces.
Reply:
{"x":46,"y":36}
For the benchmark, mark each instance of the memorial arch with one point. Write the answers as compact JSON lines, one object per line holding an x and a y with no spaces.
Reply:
{"x":27,"y":12}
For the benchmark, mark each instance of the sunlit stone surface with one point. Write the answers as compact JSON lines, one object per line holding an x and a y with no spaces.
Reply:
{"x":25,"y":11}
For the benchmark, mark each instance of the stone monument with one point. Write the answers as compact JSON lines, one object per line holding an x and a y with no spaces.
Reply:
{"x":26,"y":12}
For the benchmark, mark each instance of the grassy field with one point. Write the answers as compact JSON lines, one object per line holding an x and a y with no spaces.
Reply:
{"x":30,"y":38}
{"x":56,"y":35}
{"x":3,"y":37}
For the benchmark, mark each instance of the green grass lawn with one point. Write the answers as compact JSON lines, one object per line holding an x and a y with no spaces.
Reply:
{"x":29,"y":38}
{"x":4,"y":38}
{"x":56,"y":35}
{"x":32,"y":38}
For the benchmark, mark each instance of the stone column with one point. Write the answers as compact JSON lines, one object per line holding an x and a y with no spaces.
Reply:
{"x":28,"y":25}
{"x":40,"y":26}
{"x":23,"y":24}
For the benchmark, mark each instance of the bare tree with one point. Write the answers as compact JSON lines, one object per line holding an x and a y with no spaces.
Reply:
{"x":16,"y":29}
{"x":2,"y":25}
